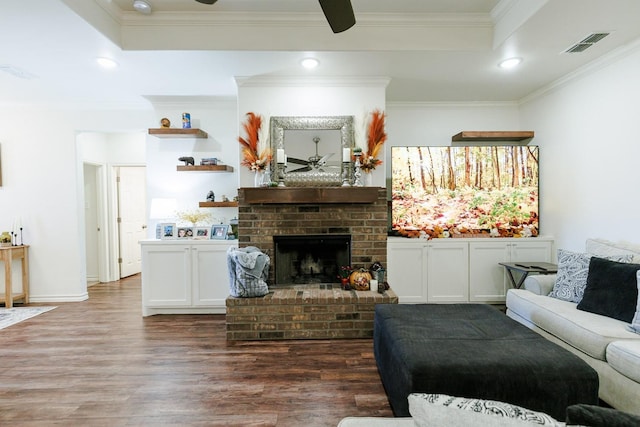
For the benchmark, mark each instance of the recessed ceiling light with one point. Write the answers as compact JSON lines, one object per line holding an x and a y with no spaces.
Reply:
{"x":510,"y":63}
{"x":310,"y":63}
{"x":142,"y":6}
{"x":106,"y":62}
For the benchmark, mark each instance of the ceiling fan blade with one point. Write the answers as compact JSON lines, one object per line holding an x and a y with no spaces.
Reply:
{"x":339,"y":14}
{"x":305,"y":169}
{"x":207,"y":1}
{"x":297,"y":161}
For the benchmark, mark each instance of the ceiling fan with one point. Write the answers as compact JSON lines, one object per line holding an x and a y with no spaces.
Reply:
{"x":316,"y":162}
{"x":339,"y":13}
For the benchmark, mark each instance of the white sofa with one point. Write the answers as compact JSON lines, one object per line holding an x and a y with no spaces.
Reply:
{"x":604,"y":343}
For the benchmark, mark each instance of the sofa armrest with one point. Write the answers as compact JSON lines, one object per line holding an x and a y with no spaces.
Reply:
{"x":540,"y":284}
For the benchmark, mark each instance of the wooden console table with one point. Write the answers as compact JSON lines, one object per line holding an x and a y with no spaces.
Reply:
{"x":8,"y":254}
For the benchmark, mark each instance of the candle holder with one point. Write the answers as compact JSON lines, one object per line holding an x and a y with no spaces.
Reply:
{"x":281,"y":169}
{"x":21,"y":242}
{"x":357,"y":173}
{"x":346,"y":174}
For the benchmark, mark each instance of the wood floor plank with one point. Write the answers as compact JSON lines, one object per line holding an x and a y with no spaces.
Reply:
{"x":99,"y":362}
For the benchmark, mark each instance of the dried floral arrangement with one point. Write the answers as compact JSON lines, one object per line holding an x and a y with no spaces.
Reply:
{"x":376,"y":136}
{"x":255,"y":153}
{"x":194,"y":216}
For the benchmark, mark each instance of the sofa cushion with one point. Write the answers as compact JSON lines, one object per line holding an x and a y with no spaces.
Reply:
{"x":588,"y":332}
{"x":605,"y":248}
{"x":573,"y":270}
{"x":612,"y":289}
{"x":430,"y":410}
{"x":595,"y":416}
{"x":624,"y":357}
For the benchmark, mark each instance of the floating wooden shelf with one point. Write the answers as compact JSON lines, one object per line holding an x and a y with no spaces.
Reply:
{"x":314,"y":195}
{"x":479,"y":136}
{"x":178,"y":133}
{"x":218,"y":204}
{"x":206,"y":168}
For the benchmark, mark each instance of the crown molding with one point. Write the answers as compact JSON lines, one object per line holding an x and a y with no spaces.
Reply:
{"x":463,"y":104}
{"x":296,"y":81}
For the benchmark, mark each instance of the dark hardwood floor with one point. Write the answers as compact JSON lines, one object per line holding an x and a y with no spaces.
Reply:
{"x":100,"y":363}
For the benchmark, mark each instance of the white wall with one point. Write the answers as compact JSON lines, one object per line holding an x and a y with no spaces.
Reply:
{"x":590,"y":153}
{"x":219,"y":119}
{"x":311,"y":97}
{"x":41,"y":184}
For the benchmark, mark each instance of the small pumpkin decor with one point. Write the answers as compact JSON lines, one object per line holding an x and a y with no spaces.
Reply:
{"x":360,"y":279}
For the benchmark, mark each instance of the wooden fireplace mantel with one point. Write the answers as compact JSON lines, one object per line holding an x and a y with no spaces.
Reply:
{"x":283,"y":195}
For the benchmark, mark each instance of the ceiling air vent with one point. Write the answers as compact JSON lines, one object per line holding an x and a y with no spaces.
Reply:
{"x":587,"y":42}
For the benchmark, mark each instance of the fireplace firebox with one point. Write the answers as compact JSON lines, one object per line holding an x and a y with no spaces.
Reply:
{"x":310,"y":258}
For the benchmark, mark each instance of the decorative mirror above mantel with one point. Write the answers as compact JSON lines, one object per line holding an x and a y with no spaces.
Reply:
{"x":315,"y":151}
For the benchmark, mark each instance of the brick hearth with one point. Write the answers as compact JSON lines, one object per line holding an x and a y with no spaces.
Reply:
{"x":305,"y":312}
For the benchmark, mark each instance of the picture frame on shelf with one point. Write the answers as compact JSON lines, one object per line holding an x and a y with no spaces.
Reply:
{"x":202,"y":233}
{"x":219,"y":232}
{"x":167,"y":230}
{"x":185,"y":233}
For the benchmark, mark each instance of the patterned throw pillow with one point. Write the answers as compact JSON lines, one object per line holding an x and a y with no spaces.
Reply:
{"x":441,"y":409}
{"x":573,"y":269}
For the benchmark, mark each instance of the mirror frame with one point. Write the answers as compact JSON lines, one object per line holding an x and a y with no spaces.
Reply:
{"x":278,"y":124}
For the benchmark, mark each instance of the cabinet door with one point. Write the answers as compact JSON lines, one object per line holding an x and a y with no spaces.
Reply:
{"x":487,"y":280}
{"x":210,"y":275}
{"x":532,"y":251}
{"x":447,"y":272}
{"x":166,"y":275}
{"x":405,"y":271}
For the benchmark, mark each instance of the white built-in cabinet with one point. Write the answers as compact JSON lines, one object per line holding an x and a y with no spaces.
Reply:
{"x":184,"y":276}
{"x":458,"y":270}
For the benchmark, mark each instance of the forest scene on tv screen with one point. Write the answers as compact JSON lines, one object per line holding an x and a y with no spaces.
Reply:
{"x":470,"y":191}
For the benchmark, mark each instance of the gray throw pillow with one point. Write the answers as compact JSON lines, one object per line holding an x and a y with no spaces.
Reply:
{"x":573,"y":269}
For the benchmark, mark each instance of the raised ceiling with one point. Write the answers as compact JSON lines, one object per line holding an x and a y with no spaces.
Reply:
{"x":431,"y":51}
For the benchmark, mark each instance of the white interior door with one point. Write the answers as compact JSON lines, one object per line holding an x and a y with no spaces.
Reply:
{"x":131,"y":217}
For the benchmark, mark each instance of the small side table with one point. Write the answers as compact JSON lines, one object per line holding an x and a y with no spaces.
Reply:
{"x":526,"y":268}
{"x":7,"y":255}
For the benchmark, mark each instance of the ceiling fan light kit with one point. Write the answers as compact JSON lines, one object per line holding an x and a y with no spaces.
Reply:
{"x":142,"y":6}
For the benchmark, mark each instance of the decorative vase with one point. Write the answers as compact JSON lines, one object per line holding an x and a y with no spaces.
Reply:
{"x":258,"y":178}
{"x":368,"y":179}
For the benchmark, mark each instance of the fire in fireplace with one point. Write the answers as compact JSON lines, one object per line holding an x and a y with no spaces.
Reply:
{"x":310,"y":259}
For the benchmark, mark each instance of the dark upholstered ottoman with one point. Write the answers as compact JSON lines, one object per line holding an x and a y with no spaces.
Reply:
{"x":475,"y":351}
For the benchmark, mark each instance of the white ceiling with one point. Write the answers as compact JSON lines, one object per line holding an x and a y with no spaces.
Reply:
{"x":430,"y":50}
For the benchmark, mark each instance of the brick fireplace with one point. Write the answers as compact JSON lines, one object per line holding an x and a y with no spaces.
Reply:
{"x":357,"y":211}
{"x":315,"y":310}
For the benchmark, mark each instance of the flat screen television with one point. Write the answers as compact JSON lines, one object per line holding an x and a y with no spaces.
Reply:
{"x":464,"y":191}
